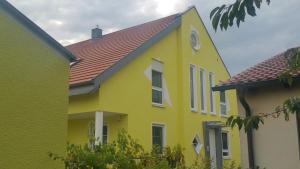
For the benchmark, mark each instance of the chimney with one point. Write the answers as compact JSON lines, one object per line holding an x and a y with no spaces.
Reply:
{"x":96,"y":33}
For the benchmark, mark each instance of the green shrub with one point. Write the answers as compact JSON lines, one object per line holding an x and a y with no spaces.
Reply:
{"x":126,"y":153}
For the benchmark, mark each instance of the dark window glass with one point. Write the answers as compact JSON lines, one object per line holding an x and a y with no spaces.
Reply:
{"x":156,"y":96}
{"x":298,"y":126}
{"x":211,"y":93}
{"x":157,"y":91}
{"x":222,"y":97}
{"x":225,"y":143}
{"x":104,"y":135}
{"x":192,"y":87}
{"x":156,"y":79}
{"x":157,"y":136}
{"x":195,"y":142}
{"x":202,"y":90}
{"x":223,"y":103}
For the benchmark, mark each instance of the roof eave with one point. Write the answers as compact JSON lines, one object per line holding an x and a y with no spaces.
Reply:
{"x":36,"y":29}
{"x":262,"y":83}
{"x":81,"y":88}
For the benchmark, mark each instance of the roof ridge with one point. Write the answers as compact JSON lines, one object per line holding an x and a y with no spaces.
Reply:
{"x":267,"y":70}
{"x":260,"y":63}
{"x":131,"y":27}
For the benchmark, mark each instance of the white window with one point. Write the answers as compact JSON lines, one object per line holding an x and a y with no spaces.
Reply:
{"x":91,"y":130}
{"x":225,"y":144}
{"x":197,"y":144}
{"x":223,"y":103}
{"x":105,"y":134}
{"x":211,"y":93}
{"x":193,"y":92}
{"x":158,"y":135}
{"x":202,"y":91}
{"x":157,"y":83}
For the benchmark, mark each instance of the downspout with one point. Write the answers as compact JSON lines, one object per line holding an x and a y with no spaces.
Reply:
{"x":243,"y":101}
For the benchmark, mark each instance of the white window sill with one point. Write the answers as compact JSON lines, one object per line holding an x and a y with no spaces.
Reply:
{"x":213,"y":113}
{"x":224,"y":115}
{"x":226,"y":158}
{"x":194,"y":110}
{"x":203,"y":112}
{"x":158,"y":105}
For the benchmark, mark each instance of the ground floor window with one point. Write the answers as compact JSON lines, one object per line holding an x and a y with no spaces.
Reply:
{"x":298,"y":128}
{"x":158,"y":135}
{"x":225,"y":144}
{"x":92,"y":133}
{"x":104,"y":134}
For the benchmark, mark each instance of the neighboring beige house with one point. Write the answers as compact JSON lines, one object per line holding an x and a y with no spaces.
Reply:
{"x":275,"y":145}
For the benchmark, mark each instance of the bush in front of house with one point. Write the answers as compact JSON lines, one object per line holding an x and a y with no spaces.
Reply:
{"x":126,"y":153}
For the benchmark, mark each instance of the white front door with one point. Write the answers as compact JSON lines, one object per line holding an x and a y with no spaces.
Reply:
{"x":212,"y":148}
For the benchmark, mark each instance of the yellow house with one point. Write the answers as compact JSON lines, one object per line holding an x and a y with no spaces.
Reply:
{"x":34,"y":71}
{"x":154,"y":80}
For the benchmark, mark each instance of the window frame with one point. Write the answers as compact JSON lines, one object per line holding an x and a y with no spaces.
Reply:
{"x":212,"y":100}
{"x":105,"y":125}
{"x":194,"y":82}
{"x":195,"y":32}
{"x":164,"y":137}
{"x":199,"y":142}
{"x":203,"y":87}
{"x":157,"y":66}
{"x":228,"y":142}
{"x":224,"y":104}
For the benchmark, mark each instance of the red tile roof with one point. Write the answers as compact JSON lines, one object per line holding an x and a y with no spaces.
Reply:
{"x":97,"y":55}
{"x":267,"y":70}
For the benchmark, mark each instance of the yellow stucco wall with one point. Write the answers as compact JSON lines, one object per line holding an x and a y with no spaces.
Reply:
{"x":33,"y":98}
{"x":128,"y":91}
{"x":208,"y":59}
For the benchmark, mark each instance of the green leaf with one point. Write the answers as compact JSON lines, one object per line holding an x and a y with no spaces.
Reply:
{"x":258,"y":3}
{"x":221,"y":8}
{"x":241,"y":13}
{"x":224,"y":21}
{"x":216,"y":19}
{"x":229,"y":120}
{"x":214,"y":11}
{"x":233,"y":13}
{"x":250,"y":8}
{"x":238,"y":21}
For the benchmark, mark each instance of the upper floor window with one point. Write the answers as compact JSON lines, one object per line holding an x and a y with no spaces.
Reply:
{"x":211,"y":93}
{"x":157,"y":82}
{"x":193,"y":92}
{"x":202,"y":91}
{"x":223,"y":103}
{"x":225,"y":144}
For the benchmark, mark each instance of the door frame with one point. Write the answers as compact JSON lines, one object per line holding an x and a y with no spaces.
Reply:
{"x":217,"y":126}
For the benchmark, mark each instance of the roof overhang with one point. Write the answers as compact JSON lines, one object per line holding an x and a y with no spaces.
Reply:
{"x":265,"y":83}
{"x":36,"y":30}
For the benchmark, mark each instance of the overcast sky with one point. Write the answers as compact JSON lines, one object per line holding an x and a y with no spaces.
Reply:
{"x":276,"y":28}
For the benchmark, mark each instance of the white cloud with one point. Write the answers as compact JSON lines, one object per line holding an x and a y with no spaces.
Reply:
{"x":274,"y":29}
